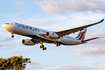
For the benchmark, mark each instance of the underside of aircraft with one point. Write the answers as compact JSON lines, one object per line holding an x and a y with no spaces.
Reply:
{"x":44,"y":36}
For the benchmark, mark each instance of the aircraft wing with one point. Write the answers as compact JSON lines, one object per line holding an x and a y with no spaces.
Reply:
{"x":76,"y":29}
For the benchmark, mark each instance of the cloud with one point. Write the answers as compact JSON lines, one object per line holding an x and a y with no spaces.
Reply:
{"x":25,"y":49}
{"x":36,"y":16}
{"x":72,"y":5}
{"x":6,"y":39}
{"x":40,"y":0}
{"x":16,"y":52}
{"x":2,"y":45}
{"x":20,"y":6}
{"x":65,"y":67}
{"x":91,"y":51}
{"x":48,"y":23}
{"x":19,"y":3}
{"x":69,"y":67}
{"x":97,"y":63}
{"x":21,"y":18}
{"x":33,"y":66}
{"x":34,"y":63}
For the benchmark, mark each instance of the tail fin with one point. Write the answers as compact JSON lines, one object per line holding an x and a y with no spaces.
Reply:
{"x":81,"y":35}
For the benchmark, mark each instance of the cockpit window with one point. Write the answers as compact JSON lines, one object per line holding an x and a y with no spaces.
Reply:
{"x":10,"y":23}
{"x":7,"y":23}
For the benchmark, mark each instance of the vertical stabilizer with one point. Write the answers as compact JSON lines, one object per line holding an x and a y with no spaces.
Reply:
{"x":81,"y":35}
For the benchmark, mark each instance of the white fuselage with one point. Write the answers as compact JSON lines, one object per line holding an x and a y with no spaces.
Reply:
{"x":36,"y":33}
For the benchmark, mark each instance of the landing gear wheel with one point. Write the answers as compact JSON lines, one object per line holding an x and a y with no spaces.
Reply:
{"x":57,"y":44}
{"x":44,"y":48}
{"x":12,"y":36}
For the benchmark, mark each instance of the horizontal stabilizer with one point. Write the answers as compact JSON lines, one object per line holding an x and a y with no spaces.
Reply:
{"x":89,"y":39}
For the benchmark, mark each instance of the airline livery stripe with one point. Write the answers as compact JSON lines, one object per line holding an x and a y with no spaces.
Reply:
{"x":27,"y":27}
{"x":82,"y":35}
{"x":78,"y":35}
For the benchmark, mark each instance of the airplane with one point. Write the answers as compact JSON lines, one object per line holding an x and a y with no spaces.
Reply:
{"x":44,"y":36}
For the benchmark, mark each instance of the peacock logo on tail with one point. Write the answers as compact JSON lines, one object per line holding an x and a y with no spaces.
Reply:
{"x":81,"y":35}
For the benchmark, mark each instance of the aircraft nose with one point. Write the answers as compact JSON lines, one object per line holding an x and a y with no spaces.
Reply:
{"x":3,"y":26}
{"x":6,"y":27}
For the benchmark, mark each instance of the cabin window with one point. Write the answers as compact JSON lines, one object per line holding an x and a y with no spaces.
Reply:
{"x":7,"y":23}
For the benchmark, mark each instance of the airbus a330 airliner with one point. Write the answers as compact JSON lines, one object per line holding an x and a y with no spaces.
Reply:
{"x":44,"y":36}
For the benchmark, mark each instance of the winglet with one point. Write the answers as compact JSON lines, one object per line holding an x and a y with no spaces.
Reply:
{"x":102,"y":20}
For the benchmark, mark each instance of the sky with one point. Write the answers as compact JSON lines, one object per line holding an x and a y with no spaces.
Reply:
{"x":55,"y":15}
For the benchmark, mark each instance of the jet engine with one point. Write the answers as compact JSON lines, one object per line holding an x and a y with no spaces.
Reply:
{"x":27,"y":42}
{"x":51,"y":35}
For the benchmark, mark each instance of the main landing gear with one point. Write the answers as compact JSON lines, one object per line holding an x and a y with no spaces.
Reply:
{"x":12,"y":36}
{"x":42,"y":46}
{"x":57,"y":44}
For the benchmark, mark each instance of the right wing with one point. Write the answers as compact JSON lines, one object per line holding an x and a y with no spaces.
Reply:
{"x":73,"y":30}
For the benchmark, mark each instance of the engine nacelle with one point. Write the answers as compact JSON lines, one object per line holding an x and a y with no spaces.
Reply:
{"x":27,"y":42}
{"x":51,"y":35}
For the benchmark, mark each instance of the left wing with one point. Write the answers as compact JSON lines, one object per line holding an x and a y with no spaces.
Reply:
{"x":73,"y":30}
